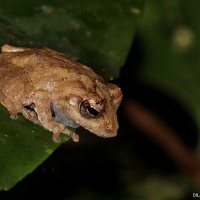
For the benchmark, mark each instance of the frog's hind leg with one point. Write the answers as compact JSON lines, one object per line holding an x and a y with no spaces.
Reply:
{"x":15,"y":108}
{"x":29,"y":114}
{"x":11,"y":99}
{"x":10,"y":107}
{"x":13,"y":91}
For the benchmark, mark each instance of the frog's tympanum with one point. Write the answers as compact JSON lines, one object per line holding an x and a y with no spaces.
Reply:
{"x":56,"y":92}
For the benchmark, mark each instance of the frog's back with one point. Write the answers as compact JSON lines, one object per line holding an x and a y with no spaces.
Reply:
{"x":45,"y":62}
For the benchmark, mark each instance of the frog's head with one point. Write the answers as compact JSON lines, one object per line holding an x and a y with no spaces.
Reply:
{"x":95,"y":111}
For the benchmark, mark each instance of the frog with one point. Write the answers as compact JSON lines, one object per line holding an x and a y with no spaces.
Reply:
{"x":56,"y":92}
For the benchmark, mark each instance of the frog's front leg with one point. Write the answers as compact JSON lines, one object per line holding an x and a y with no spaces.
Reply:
{"x":42,"y":103}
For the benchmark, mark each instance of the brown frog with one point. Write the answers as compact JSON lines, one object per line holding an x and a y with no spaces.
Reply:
{"x":57,"y":92}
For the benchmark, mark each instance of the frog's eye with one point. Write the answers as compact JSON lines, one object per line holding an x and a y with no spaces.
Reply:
{"x":88,"y":110}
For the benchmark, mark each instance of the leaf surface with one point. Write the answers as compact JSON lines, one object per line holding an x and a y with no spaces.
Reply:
{"x":97,"y":33}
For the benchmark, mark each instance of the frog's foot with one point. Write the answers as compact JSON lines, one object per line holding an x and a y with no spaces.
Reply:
{"x":30,"y":115}
{"x":13,"y":115}
{"x":56,"y":137}
{"x":72,"y":134}
{"x":10,"y":107}
{"x":56,"y":128}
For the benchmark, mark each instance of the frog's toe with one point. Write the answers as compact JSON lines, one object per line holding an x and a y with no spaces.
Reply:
{"x":14,"y":115}
{"x":56,"y":138}
{"x":72,"y":134}
{"x":30,"y":115}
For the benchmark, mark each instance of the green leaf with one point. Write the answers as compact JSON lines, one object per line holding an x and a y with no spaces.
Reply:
{"x":97,"y":33}
{"x":170,"y":34}
{"x":23,"y":146}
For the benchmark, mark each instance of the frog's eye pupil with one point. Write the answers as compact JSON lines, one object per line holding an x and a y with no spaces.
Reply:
{"x":92,"y":111}
{"x":87,"y":110}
